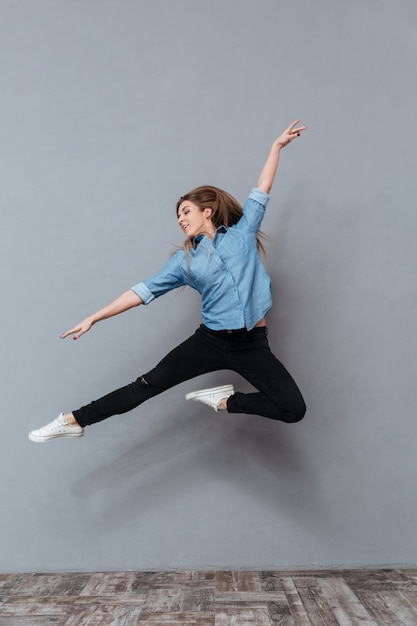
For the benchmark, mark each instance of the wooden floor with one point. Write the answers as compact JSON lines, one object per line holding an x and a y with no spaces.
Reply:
{"x":238,"y":598}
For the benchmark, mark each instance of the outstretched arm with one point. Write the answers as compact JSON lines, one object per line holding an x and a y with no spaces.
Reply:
{"x":267,"y":175}
{"x":126,"y":301}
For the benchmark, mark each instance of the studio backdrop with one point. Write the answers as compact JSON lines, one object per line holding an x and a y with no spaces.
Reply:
{"x":110,"y":111}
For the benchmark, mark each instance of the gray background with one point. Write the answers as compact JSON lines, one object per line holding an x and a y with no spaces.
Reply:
{"x":110,"y":110}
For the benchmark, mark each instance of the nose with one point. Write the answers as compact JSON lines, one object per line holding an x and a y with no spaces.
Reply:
{"x":181,"y":219}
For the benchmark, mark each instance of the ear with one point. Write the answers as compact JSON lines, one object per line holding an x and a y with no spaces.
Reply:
{"x":208,"y":211}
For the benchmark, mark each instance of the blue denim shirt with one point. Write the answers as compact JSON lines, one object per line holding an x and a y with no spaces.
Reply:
{"x":227,"y":271}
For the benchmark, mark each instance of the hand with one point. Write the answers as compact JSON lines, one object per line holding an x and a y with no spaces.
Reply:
{"x":290,"y":133}
{"x":79,"y":330}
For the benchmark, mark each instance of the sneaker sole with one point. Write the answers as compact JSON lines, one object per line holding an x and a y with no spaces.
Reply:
{"x":45,"y":439}
{"x":228,"y":390}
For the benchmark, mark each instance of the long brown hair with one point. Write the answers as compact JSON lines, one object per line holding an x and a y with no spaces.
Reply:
{"x":225,"y":210}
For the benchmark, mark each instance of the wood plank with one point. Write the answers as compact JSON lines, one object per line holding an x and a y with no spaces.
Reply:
{"x":19,"y":606}
{"x":280,"y":613}
{"x":411,"y":596}
{"x":104,"y":616}
{"x":162,"y":600}
{"x":314,"y":603}
{"x":43,"y":620}
{"x":246,"y":581}
{"x":221,"y":617}
{"x":197,"y":600}
{"x":295,"y":603}
{"x":400,"y":606}
{"x":409,"y":573}
{"x":243,"y":617}
{"x":12,"y":583}
{"x":236,"y":597}
{"x":378,"y":609}
{"x":70,"y":584}
{"x":108,"y":583}
{"x":224,"y":581}
{"x":168,"y":618}
{"x":271,"y":581}
{"x":143,"y":581}
{"x":375,"y":580}
{"x":345,"y":605}
{"x":59,"y":605}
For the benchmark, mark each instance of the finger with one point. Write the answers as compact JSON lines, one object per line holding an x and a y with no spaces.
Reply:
{"x":69,"y":332}
{"x":291,"y":126}
{"x":299,"y":129}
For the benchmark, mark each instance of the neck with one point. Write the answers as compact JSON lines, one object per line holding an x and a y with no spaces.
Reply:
{"x":209,"y":232}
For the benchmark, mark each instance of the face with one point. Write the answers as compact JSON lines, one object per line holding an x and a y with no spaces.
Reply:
{"x":193,"y":221}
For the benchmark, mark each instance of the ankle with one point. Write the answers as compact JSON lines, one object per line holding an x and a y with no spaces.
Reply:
{"x":222,"y":404}
{"x":71,"y":419}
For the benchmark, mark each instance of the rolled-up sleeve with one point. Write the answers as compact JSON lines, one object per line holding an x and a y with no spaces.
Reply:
{"x":143,"y":292}
{"x":260,"y":196}
{"x":169,"y":277}
{"x":254,"y":210}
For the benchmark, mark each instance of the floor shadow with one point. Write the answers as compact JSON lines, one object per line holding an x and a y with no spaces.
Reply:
{"x":255,"y":455}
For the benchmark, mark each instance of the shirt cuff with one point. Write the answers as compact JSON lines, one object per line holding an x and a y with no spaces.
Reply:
{"x":259,"y":196}
{"x":143,"y":292}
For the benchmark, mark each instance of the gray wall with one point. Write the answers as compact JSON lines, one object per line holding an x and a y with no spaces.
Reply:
{"x":110,"y":110}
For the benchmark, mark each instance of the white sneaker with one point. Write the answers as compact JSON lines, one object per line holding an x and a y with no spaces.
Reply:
{"x":213,"y":396}
{"x":58,"y":428}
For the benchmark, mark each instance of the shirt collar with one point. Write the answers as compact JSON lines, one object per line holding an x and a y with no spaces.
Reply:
{"x":196,"y":240}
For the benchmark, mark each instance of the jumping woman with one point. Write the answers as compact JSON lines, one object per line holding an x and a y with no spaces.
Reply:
{"x":220,"y":259}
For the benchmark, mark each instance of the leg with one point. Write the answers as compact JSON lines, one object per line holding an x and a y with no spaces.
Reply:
{"x":197,"y":355}
{"x":278,"y":396}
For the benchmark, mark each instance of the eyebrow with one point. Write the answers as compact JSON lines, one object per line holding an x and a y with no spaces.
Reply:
{"x":187,"y":206}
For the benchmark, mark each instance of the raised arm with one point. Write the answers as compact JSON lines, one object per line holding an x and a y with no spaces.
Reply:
{"x":125,"y":301}
{"x":267,"y":175}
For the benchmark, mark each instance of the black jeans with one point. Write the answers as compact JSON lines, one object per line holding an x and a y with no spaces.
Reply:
{"x":242,"y":351}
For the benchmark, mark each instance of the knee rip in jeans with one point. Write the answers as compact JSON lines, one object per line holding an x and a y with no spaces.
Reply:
{"x":146,"y":383}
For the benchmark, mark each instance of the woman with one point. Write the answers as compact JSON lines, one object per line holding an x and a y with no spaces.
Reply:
{"x":220,"y":259}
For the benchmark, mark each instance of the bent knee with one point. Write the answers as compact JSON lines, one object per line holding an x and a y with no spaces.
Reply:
{"x":296,"y":414}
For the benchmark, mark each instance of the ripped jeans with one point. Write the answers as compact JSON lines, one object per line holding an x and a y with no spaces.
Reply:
{"x":242,"y":351}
